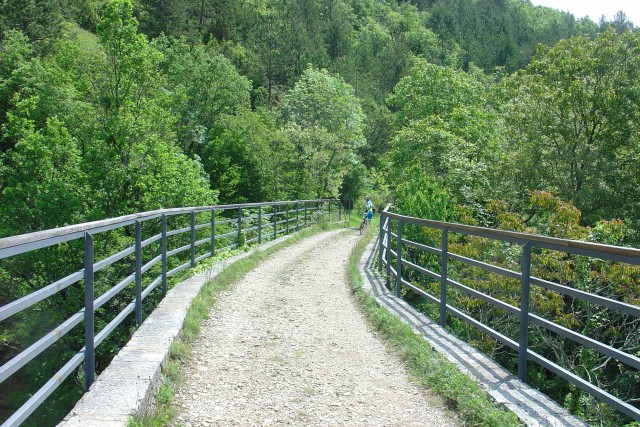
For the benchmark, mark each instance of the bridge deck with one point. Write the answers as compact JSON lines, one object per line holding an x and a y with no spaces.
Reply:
{"x":288,"y":346}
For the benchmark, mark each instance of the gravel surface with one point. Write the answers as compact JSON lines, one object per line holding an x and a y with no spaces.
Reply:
{"x":288,"y":346}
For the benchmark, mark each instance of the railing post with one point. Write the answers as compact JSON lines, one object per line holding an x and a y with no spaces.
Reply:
{"x":138,"y":252}
{"x":287,"y":215}
{"x":164,"y":255}
{"x":275,"y":222}
{"x":329,"y":204}
{"x":388,"y":281}
{"x":239,"y":225}
{"x":213,"y":233}
{"x":297,"y":216}
{"x":381,"y":243}
{"x":339,"y":211}
{"x":193,"y":239}
{"x":89,"y":348}
{"x":305,"y":214}
{"x":399,"y":261}
{"x":523,"y":343}
{"x":444,"y":261}
{"x":259,"y":225}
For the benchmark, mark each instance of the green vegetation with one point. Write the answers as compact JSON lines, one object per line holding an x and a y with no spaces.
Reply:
{"x":490,"y":112}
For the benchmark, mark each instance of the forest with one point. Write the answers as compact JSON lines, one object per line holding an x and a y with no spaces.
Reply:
{"x":496,"y":113}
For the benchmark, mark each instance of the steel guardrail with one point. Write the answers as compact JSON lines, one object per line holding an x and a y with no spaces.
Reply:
{"x":392,"y":262}
{"x":248,"y":228}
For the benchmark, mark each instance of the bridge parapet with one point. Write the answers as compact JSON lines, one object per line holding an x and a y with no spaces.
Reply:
{"x":411,"y":268}
{"x":150,"y":248}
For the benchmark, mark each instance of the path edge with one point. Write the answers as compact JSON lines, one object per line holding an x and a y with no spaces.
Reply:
{"x":532,"y":407}
{"x":127,"y":387}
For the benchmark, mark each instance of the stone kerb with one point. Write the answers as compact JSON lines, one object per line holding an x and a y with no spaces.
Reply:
{"x":532,"y":407}
{"x":128,"y":385}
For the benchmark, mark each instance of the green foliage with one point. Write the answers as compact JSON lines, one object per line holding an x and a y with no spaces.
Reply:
{"x":355,"y":183}
{"x":325,"y":123}
{"x":572,"y":124}
{"x":246,"y":159}
{"x":321,"y":100}
{"x":204,"y":87}
{"x":432,"y":90}
{"x":420,"y":194}
{"x":15,"y":53}
{"x":16,"y":50}
{"x":131,"y":64}
{"x":551,"y":216}
{"x":505,"y":34}
{"x":42,"y":171}
{"x":37,"y":19}
{"x":447,"y":130}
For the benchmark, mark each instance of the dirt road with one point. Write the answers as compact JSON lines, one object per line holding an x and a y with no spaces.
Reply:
{"x":288,"y":346}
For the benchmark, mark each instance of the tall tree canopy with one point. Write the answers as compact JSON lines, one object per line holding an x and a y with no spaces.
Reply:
{"x":573,"y":124}
{"x":446,"y":130}
{"x":86,"y":133}
{"x":326,"y":123}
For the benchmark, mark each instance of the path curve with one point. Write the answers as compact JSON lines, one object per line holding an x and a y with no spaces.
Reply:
{"x":288,"y":346}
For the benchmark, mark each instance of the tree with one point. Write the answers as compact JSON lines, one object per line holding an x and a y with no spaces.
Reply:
{"x":38,"y":19}
{"x":204,"y":87}
{"x":96,"y":117}
{"x":137,"y":128}
{"x":433,"y":90}
{"x":242,"y":164}
{"x":447,"y":132}
{"x":573,"y":123}
{"x":325,"y":121}
{"x":620,"y":23}
{"x":43,"y":185}
{"x":15,"y":55}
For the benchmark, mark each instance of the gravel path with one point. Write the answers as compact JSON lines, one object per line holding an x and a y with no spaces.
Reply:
{"x":287,"y":346}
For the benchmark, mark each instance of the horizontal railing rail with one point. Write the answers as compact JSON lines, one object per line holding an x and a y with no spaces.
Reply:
{"x":157,"y":254}
{"x":393,"y":261}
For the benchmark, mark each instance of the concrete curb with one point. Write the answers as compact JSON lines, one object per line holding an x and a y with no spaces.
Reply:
{"x":532,"y":407}
{"x":128,"y":385}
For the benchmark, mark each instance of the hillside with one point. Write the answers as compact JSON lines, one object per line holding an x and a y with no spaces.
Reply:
{"x":489,"y":112}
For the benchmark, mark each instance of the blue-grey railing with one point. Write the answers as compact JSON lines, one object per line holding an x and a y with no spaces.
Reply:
{"x":258,"y":221}
{"x":388,"y":258}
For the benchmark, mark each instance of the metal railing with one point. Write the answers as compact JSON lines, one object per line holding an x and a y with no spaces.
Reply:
{"x":398,"y":267}
{"x":168,"y":240}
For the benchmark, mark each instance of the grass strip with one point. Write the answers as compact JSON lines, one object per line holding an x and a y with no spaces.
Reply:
{"x":165,"y":411}
{"x":465,"y":397}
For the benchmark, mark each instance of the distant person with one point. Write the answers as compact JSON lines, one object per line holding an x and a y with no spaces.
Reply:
{"x":368,"y":208}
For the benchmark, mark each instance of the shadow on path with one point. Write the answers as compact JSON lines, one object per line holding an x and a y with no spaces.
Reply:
{"x":531,"y":406}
